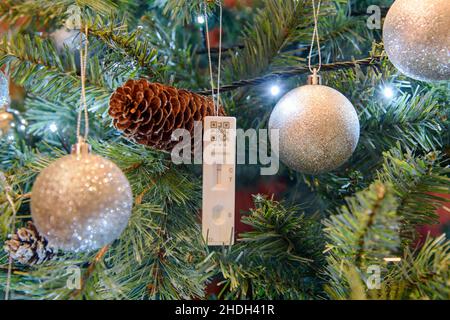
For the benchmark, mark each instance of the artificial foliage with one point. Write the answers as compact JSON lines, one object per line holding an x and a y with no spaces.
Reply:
{"x":318,"y":239}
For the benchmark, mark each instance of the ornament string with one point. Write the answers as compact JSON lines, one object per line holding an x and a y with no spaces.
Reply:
{"x":316,"y":38}
{"x":209,"y":52}
{"x":216,"y":99}
{"x":83,"y":103}
{"x":219,"y":58}
{"x":13,"y":227}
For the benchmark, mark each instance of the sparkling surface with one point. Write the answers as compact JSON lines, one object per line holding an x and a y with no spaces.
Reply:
{"x":319,"y":128}
{"x":81,"y":202}
{"x":4,"y":90}
{"x":6,"y":119}
{"x":416,"y":36}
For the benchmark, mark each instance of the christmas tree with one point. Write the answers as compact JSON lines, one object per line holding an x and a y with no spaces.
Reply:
{"x":359,"y":231}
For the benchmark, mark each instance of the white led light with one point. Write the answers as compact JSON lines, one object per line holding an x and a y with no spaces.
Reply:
{"x":53,"y":127}
{"x":388,"y":92}
{"x":275,"y":90}
{"x":201,"y":19}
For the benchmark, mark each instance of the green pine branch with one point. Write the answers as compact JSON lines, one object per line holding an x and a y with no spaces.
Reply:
{"x":29,"y":14}
{"x":277,"y":259}
{"x":36,"y":64}
{"x":182,"y":11}
{"x":418,"y":181}
{"x":380,"y":222}
{"x":132,"y":45}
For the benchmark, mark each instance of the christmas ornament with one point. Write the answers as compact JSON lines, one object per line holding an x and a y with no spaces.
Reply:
{"x":148,"y":113}
{"x":318,"y":128}
{"x":81,"y":202}
{"x":416,"y":36}
{"x":68,"y":38}
{"x":28,"y":247}
{"x":5,"y":117}
{"x":219,"y":162}
{"x":5,"y":122}
{"x":4,"y":91}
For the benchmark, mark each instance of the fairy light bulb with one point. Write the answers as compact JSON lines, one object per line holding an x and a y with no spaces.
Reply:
{"x":275,"y":90}
{"x":53,"y":127}
{"x":201,"y":19}
{"x":388,"y":92}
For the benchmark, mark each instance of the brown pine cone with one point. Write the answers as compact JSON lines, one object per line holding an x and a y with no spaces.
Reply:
{"x":28,"y":247}
{"x":148,"y":113}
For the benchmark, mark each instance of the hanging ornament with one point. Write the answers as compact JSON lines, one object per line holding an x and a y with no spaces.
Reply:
{"x":219,"y":162}
{"x":6,"y":117}
{"x":4,"y":90}
{"x":148,"y":113}
{"x":82,"y":201}
{"x":416,"y":36}
{"x":318,"y":126}
{"x":64,"y":37}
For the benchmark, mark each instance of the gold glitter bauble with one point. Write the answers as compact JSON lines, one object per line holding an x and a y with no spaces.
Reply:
{"x":318,"y":127}
{"x":416,"y":36}
{"x":81,"y":202}
{"x":5,"y":122}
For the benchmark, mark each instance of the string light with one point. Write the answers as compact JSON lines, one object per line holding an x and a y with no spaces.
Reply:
{"x":201,"y":19}
{"x":275,"y":90}
{"x":392,"y":259}
{"x":53,"y":127}
{"x":388,"y":92}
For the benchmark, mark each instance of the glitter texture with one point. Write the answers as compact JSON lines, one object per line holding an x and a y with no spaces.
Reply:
{"x":319,"y":128}
{"x":416,"y":36}
{"x":81,"y":202}
{"x":5,"y":122}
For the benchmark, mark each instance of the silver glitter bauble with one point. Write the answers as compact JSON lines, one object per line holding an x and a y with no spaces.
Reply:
{"x":318,"y":127}
{"x":416,"y":36}
{"x":4,"y":91}
{"x":81,"y":202}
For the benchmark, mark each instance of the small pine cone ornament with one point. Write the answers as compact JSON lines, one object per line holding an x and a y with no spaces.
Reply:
{"x":28,"y":247}
{"x":148,"y":113}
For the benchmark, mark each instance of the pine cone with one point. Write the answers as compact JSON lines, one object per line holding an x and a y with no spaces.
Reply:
{"x":148,"y":113}
{"x":28,"y":247}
